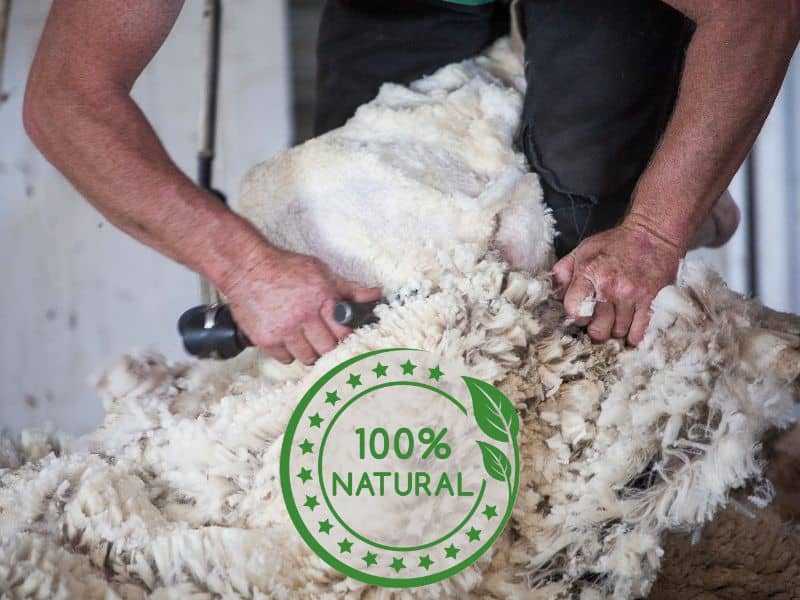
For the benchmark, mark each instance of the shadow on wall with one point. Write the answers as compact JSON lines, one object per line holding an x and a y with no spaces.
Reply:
{"x":5,"y":10}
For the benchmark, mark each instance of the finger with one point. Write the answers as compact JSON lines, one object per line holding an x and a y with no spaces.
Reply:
{"x":319,"y":336}
{"x":602,"y":322}
{"x":562,"y":274}
{"x":641,"y":318}
{"x":298,"y":346}
{"x":326,"y":312}
{"x":358,"y":293}
{"x":580,"y":290}
{"x":364,"y":294}
{"x":622,"y":322}
{"x":279,"y":353}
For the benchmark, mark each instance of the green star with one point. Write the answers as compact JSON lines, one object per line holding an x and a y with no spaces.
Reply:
{"x":325,"y":526}
{"x":397,"y":565}
{"x":408,"y":367}
{"x":307,"y":447}
{"x":316,"y":420}
{"x":311,"y":502}
{"x":491,"y":511}
{"x":435,"y":373}
{"x":304,"y":475}
{"x":380,"y":370}
{"x":451,"y":551}
{"x":425,"y":562}
{"x":370,"y":559}
{"x":345,"y":546}
{"x":331,"y":398}
{"x":354,"y":380}
{"x":474,"y":534}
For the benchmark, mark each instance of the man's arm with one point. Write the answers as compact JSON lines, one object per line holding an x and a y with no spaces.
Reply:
{"x":734,"y":67}
{"x":79,"y":112}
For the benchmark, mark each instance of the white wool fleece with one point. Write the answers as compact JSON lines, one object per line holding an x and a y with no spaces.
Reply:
{"x":177,"y":493}
{"x":417,"y":170}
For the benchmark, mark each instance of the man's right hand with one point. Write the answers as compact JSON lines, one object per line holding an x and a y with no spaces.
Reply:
{"x":284,"y":303}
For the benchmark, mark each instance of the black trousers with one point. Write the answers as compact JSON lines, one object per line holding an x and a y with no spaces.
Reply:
{"x":602,"y":80}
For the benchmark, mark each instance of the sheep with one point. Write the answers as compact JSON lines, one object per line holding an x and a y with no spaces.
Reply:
{"x":742,"y":553}
{"x":177,"y":493}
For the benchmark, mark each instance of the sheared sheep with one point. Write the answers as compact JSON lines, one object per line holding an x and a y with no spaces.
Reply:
{"x":177,"y":493}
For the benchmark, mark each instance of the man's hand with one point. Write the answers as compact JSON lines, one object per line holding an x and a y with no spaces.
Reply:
{"x":733,"y":69}
{"x":622,"y":269}
{"x":284,"y":303}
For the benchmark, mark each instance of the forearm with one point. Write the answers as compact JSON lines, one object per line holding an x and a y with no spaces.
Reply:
{"x":104,"y":145}
{"x":734,"y":67}
{"x":79,"y":113}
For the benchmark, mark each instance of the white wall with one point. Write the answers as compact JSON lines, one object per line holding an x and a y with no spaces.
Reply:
{"x":77,"y":293}
{"x":778,"y":211}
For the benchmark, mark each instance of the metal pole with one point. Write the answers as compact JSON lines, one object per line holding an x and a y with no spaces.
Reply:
{"x":791,"y":159}
{"x":751,"y":233}
{"x":212,"y":15}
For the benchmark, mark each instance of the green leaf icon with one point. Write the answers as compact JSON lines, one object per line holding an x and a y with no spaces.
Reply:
{"x":495,"y":462}
{"x":494,"y":413}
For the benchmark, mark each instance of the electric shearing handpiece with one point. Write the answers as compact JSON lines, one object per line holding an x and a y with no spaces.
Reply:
{"x":209,"y":330}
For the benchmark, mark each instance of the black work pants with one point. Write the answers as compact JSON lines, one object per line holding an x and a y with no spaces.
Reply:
{"x":602,"y":80}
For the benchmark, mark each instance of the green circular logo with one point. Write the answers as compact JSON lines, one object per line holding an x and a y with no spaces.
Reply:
{"x":390,"y":477}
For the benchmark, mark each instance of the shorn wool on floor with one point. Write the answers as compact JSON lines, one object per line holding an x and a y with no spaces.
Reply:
{"x":177,"y":493}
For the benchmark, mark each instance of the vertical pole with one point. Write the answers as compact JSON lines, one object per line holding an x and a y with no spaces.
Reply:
{"x":751,"y":211}
{"x":212,"y":14}
{"x":212,"y":17}
{"x":791,"y":87}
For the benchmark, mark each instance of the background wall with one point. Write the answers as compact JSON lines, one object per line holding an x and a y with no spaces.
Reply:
{"x":77,"y":293}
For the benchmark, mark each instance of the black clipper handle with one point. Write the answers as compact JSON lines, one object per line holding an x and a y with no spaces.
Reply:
{"x":353,"y":314}
{"x":209,"y":331}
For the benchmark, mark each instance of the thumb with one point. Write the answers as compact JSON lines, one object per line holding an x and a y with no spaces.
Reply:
{"x":562,"y":274}
{"x":351,"y":290}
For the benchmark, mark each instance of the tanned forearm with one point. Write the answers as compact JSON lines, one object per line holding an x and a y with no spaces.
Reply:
{"x":79,"y":112}
{"x":734,"y":67}
{"x":85,"y":122}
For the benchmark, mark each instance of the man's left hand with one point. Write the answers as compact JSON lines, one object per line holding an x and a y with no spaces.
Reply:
{"x":622,"y":269}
